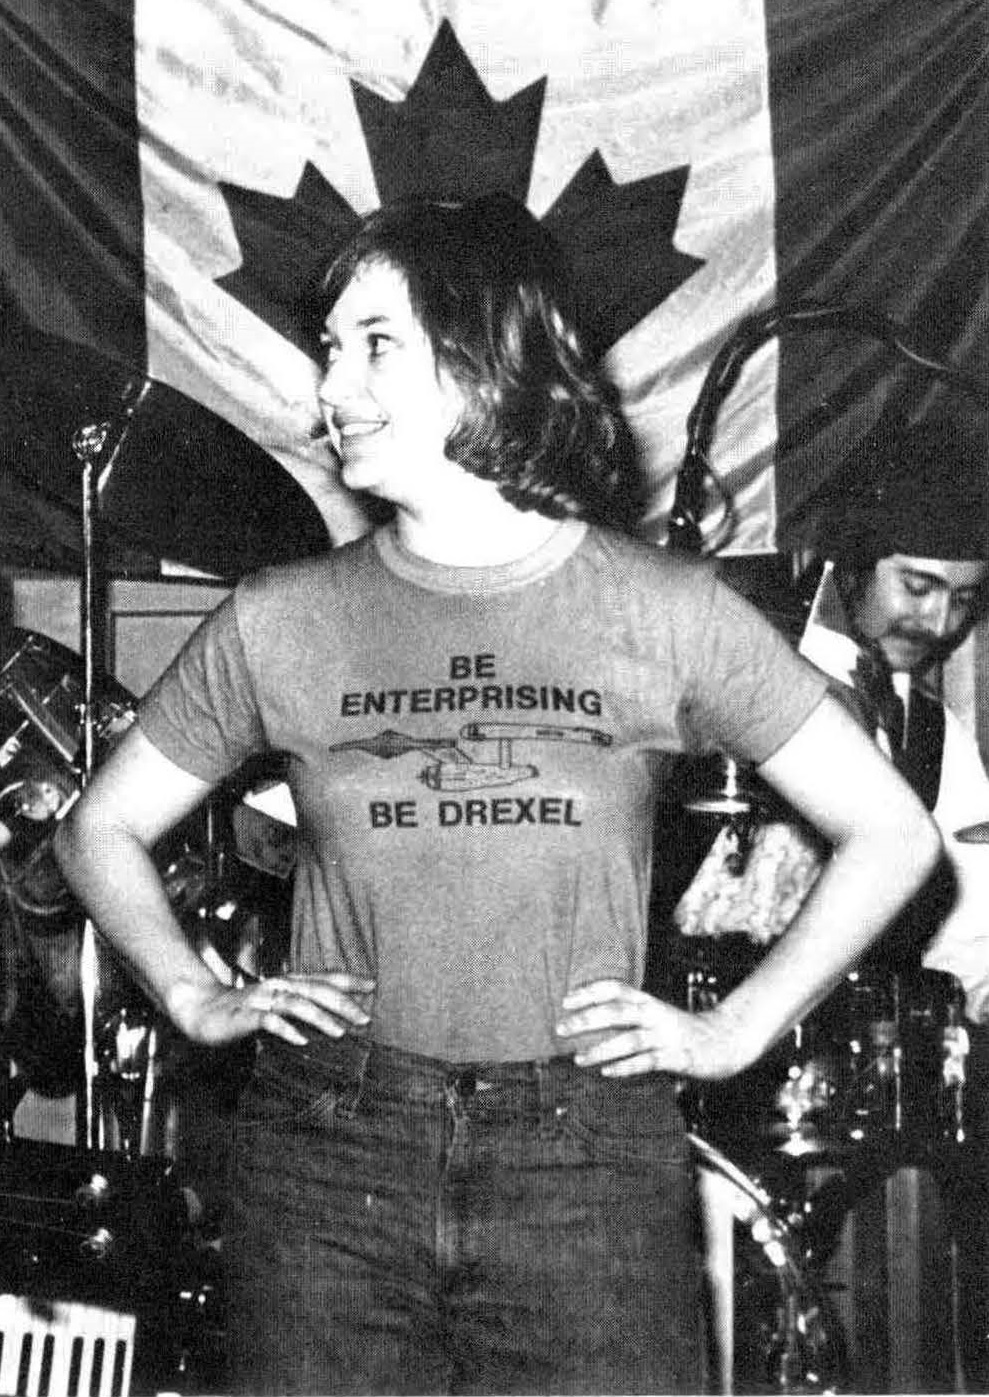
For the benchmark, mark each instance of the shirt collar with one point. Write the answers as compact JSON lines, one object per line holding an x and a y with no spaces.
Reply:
{"x":827,"y":641}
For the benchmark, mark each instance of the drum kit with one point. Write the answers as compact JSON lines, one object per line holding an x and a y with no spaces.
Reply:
{"x":224,"y":884}
{"x":879,"y":1065}
{"x":108,"y":1223}
{"x":123,"y":473}
{"x":874,"y":1078}
{"x":871,"y":1081}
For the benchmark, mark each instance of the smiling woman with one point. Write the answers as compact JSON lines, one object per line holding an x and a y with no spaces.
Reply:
{"x":385,"y":401}
{"x":461,"y":1164}
{"x":503,"y":368}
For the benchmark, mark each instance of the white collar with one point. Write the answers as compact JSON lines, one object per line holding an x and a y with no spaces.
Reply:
{"x":831,"y":649}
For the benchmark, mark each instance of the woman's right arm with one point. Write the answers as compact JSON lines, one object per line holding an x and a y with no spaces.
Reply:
{"x":104,"y":848}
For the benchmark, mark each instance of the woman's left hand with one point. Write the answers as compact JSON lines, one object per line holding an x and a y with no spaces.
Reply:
{"x":632,"y":1032}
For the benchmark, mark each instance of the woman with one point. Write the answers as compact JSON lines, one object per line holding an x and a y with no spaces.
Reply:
{"x":460,"y":1164}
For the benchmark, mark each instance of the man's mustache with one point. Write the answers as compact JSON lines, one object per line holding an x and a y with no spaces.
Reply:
{"x":936,"y":644}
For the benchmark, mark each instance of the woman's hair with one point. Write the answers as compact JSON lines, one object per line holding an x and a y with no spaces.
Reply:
{"x":487,"y":283}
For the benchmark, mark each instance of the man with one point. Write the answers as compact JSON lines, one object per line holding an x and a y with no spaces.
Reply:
{"x":907,"y":577}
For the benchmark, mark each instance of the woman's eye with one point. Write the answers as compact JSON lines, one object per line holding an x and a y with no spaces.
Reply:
{"x":379,"y":345}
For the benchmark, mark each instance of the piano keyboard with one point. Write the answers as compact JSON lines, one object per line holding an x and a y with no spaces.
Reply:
{"x":58,"y":1348}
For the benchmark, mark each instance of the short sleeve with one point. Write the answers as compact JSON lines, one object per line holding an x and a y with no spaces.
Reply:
{"x":202,"y":713}
{"x":749,"y":690}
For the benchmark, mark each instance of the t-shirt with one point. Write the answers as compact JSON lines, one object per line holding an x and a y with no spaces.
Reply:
{"x":475,"y":756}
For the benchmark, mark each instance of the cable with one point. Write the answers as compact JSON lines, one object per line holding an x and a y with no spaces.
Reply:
{"x":696,"y":478}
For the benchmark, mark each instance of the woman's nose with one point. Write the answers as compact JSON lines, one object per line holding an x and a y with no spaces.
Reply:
{"x":326,"y":390}
{"x":339,"y":382}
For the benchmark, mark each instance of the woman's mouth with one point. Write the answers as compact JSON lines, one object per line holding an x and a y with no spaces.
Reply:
{"x":355,"y":428}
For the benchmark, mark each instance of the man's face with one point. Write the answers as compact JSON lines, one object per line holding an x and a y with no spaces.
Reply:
{"x":916,"y":610}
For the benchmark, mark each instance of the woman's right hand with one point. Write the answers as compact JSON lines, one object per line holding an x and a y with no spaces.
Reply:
{"x":215,"y":1014}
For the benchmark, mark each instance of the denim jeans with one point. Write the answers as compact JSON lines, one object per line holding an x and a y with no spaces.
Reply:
{"x":401,"y":1224}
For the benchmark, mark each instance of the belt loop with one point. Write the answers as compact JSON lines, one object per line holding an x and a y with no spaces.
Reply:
{"x":458,"y":1089}
{"x":351,"y":1095}
{"x":550,"y":1121}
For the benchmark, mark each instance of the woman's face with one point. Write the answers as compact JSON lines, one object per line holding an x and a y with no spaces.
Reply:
{"x":388,"y":409}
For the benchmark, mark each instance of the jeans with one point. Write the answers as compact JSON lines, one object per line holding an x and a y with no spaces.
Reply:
{"x":401,"y":1224}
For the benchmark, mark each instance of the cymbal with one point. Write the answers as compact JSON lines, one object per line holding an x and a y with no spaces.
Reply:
{"x":185,"y":484}
{"x":717,"y":785}
{"x":973,"y":834}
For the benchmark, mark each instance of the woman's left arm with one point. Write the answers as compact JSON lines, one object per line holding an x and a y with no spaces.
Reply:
{"x":885,"y":845}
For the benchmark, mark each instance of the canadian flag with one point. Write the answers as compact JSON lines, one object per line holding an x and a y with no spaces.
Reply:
{"x":173,"y":175}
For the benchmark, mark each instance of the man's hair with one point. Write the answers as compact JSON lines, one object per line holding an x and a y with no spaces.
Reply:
{"x":488,"y":284}
{"x":917,"y":488}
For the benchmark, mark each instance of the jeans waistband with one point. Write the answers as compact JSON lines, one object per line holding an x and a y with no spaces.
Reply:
{"x":399,"y":1074}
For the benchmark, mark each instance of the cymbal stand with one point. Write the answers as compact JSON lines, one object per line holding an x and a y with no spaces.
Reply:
{"x":88,"y":444}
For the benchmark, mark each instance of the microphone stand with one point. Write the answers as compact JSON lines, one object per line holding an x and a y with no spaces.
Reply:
{"x":683,"y":525}
{"x":695,"y":479}
{"x":88,"y":444}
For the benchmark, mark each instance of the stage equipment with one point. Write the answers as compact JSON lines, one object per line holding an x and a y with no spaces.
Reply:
{"x":697,"y":485}
{"x":878,"y":1069}
{"x":41,"y":693}
{"x":723,"y":788}
{"x":103,"y":1272}
{"x":232,"y":910}
{"x":186,"y":486}
{"x":106,"y":1280}
{"x":880,"y":1064}
{"x":774,"y":1325}
{"x":106,"y":1288}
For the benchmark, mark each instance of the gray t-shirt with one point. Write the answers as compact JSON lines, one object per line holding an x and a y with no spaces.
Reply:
{"x":475,"y":756}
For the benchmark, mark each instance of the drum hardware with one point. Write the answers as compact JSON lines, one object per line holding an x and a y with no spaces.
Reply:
{"x":47,"y":709}
{"x":955,"y":1048}
{"x":88,"y":444}
{"x":233,"y":905}
{"x":55,"y":731}
{"x":726,"y":792}
{"x":874,"y":1095}
{"x":880,"y":1063}
{"x":777,"y":1328}
{"x":807,"y":1092}
{"x":71,"y":720}
{"x":126,"y":1046}
{"x":12,"y":1090}
{"x":731,"y":792}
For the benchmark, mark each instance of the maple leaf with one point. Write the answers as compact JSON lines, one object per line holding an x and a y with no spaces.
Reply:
{"x":619,"y":244}
{"x":284,"y":243}
{"x":449,"y":139}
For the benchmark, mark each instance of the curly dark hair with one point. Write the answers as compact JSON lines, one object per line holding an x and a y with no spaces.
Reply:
{"x":913,"y":487}
{"x":488,"y":284}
